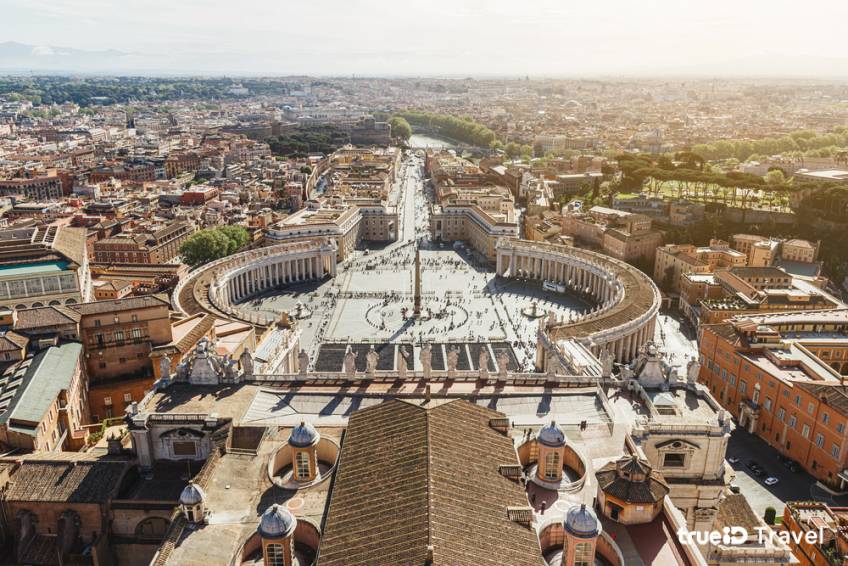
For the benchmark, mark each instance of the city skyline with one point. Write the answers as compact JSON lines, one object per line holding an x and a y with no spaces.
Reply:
{"x":373,"y":38}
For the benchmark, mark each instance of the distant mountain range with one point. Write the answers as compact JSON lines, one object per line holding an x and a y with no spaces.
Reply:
{"x":20,"y":57}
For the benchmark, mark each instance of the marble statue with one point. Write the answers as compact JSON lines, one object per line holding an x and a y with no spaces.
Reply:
{"x":182,"y":371}
{"x":503,"y":364}
{"x":626,"y":372}
{"x":483,"y":363}
{"x":551,"y":318}
{"x":426,"y":357}
{"x":453,"y":359}
{"x":165,"y":367}
{"x":372,"y":357}
{"x":553,"y":364}
{"x":350,"y":361}
{"x":230,"y":372}
{"x":402,"y":361}
{"x":693,"y":369}
{"x":302,"y":362}
{"x":246,"y":361}
{"x":607,"y":360}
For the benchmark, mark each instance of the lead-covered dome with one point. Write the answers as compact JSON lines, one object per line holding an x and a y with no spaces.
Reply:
{"x":192,"y":494}
{"x":552,"y":435}
{"x":304,"y":435}
{"x":277,"y":522}
{"x":582,"y":522}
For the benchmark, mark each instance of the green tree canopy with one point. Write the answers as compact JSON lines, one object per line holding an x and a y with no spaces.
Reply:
{"x":208,"y":245}
{"x":400,"y":128}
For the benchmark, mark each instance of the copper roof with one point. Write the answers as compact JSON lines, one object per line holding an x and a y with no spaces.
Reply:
{"x":410,"y":477}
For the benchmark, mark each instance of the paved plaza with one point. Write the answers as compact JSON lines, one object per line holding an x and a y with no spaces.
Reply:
{"x":371,"y":298}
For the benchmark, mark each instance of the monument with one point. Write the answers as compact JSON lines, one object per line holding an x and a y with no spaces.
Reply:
{"x":416,"y":305}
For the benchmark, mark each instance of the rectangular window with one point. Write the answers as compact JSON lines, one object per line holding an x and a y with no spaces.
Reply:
{"x":840,"y":428}
{"x":805,"y":432}
{"x":819,"y":440}
{"x":107,"y":400}
{"x":97,"y":323}
{"x":732,"y":379}
{"x":834,"y":451}
{"x":767,"y":404}
{"x":127,"y":397}
{"x":792,"y":421}
{"x":674,"y":460}
{"x":825,"y":418}
{"x":743,"y":387}
{"x":185,"y":449}
{"x":135,"y":318}
{"x":723,"y":373}
{"x":797,"y":400}
{"x":811,"y":408}
{"x":780,"y":414}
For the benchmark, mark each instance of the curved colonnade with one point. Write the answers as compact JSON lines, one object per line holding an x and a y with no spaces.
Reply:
{"x":627,"y":301}
{"x":220,"y":286}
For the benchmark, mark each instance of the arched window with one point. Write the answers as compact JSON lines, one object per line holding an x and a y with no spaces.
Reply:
{"x":552,"y":466}
{"x":302,"y":463}
{"x":583,"y":555}
{"x":152,"y":528}
{"x":274,"y":555}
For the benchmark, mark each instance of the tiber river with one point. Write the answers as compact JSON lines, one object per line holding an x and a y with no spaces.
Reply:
{"x":424,"y":141}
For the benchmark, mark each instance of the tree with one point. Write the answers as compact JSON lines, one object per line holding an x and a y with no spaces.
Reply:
{"x":775,"y":177}
{"x":400,"y":128}
{"x":512,"y":150}
{"x":208,"y":245}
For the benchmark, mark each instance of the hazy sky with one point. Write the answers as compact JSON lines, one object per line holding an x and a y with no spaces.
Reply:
{"x":447,"y":37}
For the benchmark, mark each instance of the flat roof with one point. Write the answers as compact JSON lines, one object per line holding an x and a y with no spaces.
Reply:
{"x":33,"y":268}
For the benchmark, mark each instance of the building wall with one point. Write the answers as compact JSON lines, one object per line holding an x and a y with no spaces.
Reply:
{"x":789,"y":418}
{"x":119,"y":350}
{"x":112,"y":398}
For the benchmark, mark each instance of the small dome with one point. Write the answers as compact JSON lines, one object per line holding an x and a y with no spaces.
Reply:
{"x":304,"y":435}
{"x":276,"y":522}
{"x":552,"y":435}
{"x":582,"y":522}
{"x":192,"y":494}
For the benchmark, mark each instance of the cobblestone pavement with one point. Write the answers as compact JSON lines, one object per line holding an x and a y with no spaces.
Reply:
{"x":461,"y":297}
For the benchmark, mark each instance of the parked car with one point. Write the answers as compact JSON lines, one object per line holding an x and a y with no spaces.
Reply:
{"x":771,"y":480}
{"x":733,"y":460}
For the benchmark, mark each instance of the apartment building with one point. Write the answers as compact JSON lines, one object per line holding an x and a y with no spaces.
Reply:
{"x":40,"y":188}
{"x":117,"y":337}
{"x":622,"y":235}
{"x":673,"y":260}
{"x":781,"y":376}
{"x":44,"y":402}
{"x":143,"y":245}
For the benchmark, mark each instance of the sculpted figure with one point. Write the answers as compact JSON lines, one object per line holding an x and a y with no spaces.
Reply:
{"x":372,"y":357}
{"x":350,"y":361}
{"x":402,"y":361}
{"x":246,"y":361}
{"x":503,"y":364}
{"x":165,"y":367}
{"x":606,"y":363}
{"x":426,"y":357}
{"x":302,"y":362}
{"x":453,"y":358}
